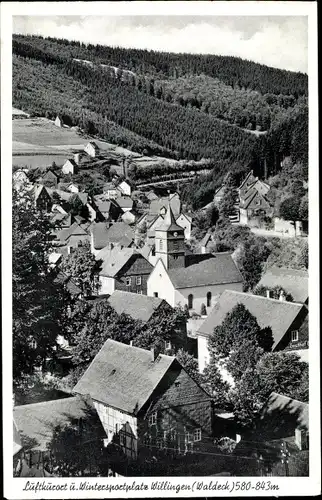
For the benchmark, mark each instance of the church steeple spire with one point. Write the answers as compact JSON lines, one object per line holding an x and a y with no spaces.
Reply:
{"x":169,"y":242}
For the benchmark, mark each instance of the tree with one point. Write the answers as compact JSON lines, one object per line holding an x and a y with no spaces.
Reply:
{"x":254,"y":253}
{"x":289,"y":208}
{"x":190,"y":364}
{"x":38,"y":314}
{"x":77,"y":207}
{"x":164,"y":327}
{"x":92,"y":323}
{"x":82,"y":266}
{"x":281,"y":372}
{"x":239,"y":325}
{"x":217,"y":387}
{"x":227,"y":204}
{"x":304,"y":208}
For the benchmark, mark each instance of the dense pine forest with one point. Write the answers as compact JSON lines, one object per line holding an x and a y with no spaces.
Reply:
{"x":235,"y":113}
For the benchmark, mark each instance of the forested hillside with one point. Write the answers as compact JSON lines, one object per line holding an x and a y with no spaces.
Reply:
{"x":180,"y":106}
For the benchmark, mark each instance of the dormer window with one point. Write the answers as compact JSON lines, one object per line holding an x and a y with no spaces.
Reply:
{"x":153,"y":418}
{"x":295,"y":335}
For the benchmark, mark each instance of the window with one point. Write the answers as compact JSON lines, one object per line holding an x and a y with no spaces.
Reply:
{"x":155,"y":294}
{"x":167,"y":345}
{"x":122,"y":439}
{"x":140,"y":292}
{"x":138,"y":280}
{"x":128,"y":281}
{"x":295,"y":336}
{"x":160,"y":443}
{"x":189,"y":437}
{"x":209,"y":299}
{"x":153,"y":418}
{"x":160,"y":245}
{"x":197,"y":435}
{"x":190,"y":301}
{"x":33,"y":344}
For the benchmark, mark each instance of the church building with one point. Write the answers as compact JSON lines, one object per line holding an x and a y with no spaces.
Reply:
{"x":189,"y":280}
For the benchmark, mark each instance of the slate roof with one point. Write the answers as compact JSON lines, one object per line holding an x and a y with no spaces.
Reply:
{"x":124,"y":202}
{"x":205,"y":269}
{"x":276,"y":314}
{"x":169,"y":222}
{"x":156,"y":205}
{"x":205,"y":240}
{"x":103,"y":206}
{"x":74,"y":229}
{"x":115,"y":260}
{"x":294,"y":281}
{"x":146,"y":250}
{"x":119,"y":232}
{"x":37,"y":421}
{"x":137,"y":306}
{"x":277,"y":404}
{"x":67,"y":196}
{"x":123,"y":376}
{"x":69,"y":283}
{"x":93,"y":143}
{"x":38,"y":190}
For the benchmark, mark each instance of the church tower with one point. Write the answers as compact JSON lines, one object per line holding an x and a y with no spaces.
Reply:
{"x":169,"y":242}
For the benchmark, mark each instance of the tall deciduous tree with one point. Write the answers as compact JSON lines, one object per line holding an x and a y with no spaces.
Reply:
{"x":279,"y":372}
{"x":82,"y":266}
{"x":38,"y":315}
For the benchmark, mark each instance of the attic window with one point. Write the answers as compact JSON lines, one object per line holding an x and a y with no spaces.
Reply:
{"x":153,"y":418}
{"x":197,"y":435}
{"x":295,"y":336}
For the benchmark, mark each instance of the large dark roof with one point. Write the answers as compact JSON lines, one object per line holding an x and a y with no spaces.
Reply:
{"x":294,"y":281}
{"x":119,"y":232}
{"x":135,"y":305}
{"x":276,"y":314}
{"x":123,"y":376}
{"x":278,"y":406}
{"x":36,"y":422}
{"x":205,"y":269}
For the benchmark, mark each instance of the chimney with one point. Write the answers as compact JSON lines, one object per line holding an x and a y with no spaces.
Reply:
{"x":282,"y":295}
{"x":131,"y":343}
{"x":77,"y":158}
{"x":69,"y":249}
{"x":268,"y":294}
{"x":155,"y":353}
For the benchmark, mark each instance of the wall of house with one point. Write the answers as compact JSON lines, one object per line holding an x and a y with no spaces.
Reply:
{"x":160,"y":283}
{"x":200,"y":295}
{"x":116,"y":422}
{"x":287,"y":227}
{"x":125,"y":188}
{"x":180,"y":407}
{"x":303,"y":338}
{"x":107,"y":285}
{"x":136,"y":267}
{"x":186,"y":225}
{"x":75,"y":239}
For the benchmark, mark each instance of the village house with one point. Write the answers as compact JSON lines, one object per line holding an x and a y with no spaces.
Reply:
{"x":125,"y":188}
{"x":110,"y":191}
{"x":293,"y":281}
{"x":70,"y":167}
{"x":73,"y":236}
{"x":185,"y":221}
{"x":206,"y":244}
{"x":148,"y":251}
{"x":92,"y":149}
{"x":73,"y":188}
{"x":104,"y":235}
{"x":284,"y":318}
{"x":140,"y":307}
{"x":123,"y":269}
{"x":125,"y":203}
{"x":161,"y":205}
{"x":189,"y":280}
{"x":50,"y":179}
{"x":39,"y":423}
{"x":42,"y":198}
{"x":147,"y":401}
{"x":59,"y":121}
{"x":253,"y":202}
{"x":151,"y":223}
{"x":109,"y":210}
{"x":219,"y":194}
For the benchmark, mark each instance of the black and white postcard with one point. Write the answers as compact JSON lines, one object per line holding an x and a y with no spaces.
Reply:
{"x":160,"y":242}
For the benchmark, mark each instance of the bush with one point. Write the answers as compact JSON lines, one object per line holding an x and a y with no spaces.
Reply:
{"x":226,"y":444}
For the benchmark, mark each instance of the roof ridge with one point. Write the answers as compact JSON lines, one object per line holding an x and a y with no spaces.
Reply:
{"x":262,"y":297}
{"x":50,"y":401}
{"x":288,"y":397}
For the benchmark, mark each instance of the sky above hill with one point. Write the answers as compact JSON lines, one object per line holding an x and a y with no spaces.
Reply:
{"x":278,"y":41}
